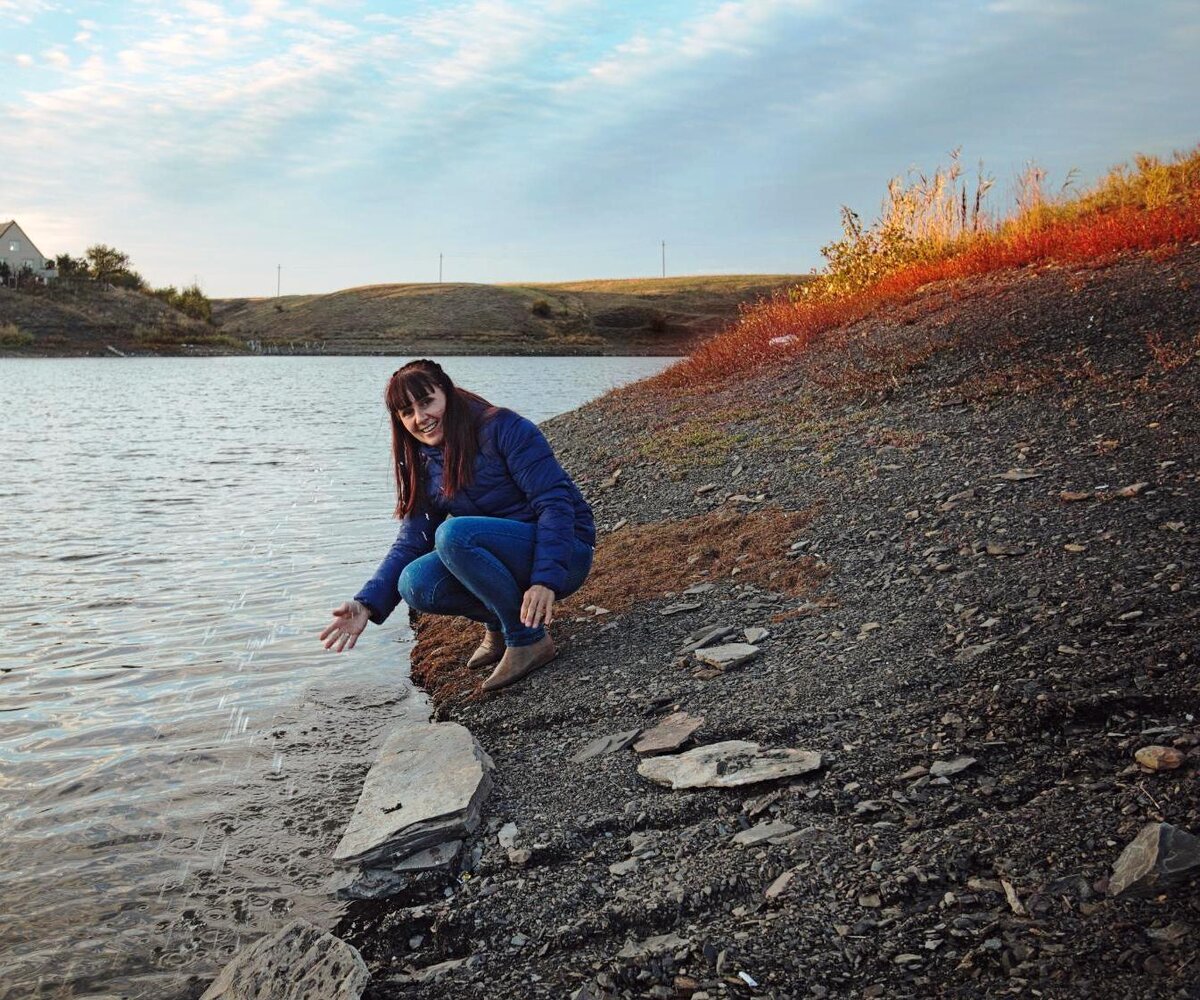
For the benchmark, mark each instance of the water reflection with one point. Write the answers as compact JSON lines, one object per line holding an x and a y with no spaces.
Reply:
{"x":177,"y":753}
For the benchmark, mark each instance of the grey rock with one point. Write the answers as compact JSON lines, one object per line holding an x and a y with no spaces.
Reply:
{"x":670,"y":734}
{"x":367,"y":883}
{"x":762,"y":833}
{"x":776,"y":888}
{"x":727,"y":765}
{"x":658,"y":944}
{"x":296,"y":962}
{"x":726,"y":657}
{"x":426,"y":787}
{"x":945,"y":768}
{"x":606,"y":744}
{"x":430,"y":973}
{"x":507,"y":837}
{"x":440,"y":856}
{"x":1161,"y":855}
{"x":704,"y":637}
{"x":682,"y":606}
{"x":755,"y":635}
{"x":623,"y":867}
{"x":699,"y":588}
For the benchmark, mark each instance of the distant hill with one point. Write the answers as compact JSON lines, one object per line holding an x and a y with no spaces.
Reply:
{"x":73,"y":319}
{"x":632,"y":316}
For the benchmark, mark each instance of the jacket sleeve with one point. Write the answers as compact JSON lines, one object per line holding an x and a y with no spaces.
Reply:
{"x":548,"y":488}
{"x":415,"y":538}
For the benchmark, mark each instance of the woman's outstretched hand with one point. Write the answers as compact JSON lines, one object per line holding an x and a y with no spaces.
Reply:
{"x":349,"y":620}
{"x":538,"y":606}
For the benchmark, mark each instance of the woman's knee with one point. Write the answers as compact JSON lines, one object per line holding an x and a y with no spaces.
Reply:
{"x":454,"y":532}
{"x":415,"y":586}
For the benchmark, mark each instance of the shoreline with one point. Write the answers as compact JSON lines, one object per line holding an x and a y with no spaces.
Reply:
{"x":961,"y":649}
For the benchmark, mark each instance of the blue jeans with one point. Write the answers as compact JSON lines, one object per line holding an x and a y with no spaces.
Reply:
{"x":479,"y":568}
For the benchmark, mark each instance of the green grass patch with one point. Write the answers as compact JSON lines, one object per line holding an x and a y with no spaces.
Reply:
{"x":12,"y":335}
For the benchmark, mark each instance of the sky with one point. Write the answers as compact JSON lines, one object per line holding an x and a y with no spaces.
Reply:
{"x":313,"y":146}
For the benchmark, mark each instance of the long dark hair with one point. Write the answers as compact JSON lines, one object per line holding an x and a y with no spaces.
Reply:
{"x":465,"y":411}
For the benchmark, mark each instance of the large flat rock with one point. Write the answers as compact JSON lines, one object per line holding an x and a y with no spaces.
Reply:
{"x":1160,"y":856}
{"x":728,"y":764}
{"x":426,"y":787}
{"x":297,"y":962}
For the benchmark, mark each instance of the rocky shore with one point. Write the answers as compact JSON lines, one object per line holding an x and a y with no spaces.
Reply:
{"x":929,"y":595}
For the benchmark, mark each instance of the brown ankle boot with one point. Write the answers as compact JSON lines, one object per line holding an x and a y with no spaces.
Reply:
{"x":518,"y":661}
{"x":489,"y":651}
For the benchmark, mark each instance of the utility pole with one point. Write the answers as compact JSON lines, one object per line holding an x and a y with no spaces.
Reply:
{"x":278,"y":278}
{"x":664,"y":257}
{"x":439,"y":268}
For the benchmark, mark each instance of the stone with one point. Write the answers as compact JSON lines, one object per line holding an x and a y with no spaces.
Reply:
{"x":726,"y":657}
{"x":681,"y":607}
{"x":1004,"y":549}
{"x":945,"y":768}
{"x":623,"y":867}
{"x":658,"y":944}
{"x":776,"y":888}
{"x":762,"y":833}
{"x":1018,"y":475}
{"x":755,"y":635}
{"x":1132,"y":490}
{"x":670,"y":734}
{"x":917,"y":771}
{"x":439,"y":856}
{"x":704,"y":636}
{"x":507,"y":835}
{"x":297,"y":961}
{"x":519,"y":856}
{"x":426,"y":787}
{"x":727,"y":765}
{"x":1159,"y":758}
{"x":1161,"y":855}
{"x":606,"y":744}
{"x":699,"y":588}
{"x":367,"y":883}
{"x":430,"y":973}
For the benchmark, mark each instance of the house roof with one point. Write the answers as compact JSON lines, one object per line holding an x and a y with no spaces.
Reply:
{"x":4,"y":226}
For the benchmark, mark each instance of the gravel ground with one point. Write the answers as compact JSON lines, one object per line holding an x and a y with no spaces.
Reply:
{"x":1003,"y":520}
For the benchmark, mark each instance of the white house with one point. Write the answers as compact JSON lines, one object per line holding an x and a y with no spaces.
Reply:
{"x":17,"y":251}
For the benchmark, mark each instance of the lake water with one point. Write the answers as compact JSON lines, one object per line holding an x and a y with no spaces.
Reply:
{"x":178,"y":753}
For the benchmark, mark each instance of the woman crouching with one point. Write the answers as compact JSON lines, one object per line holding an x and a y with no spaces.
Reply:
{"x":491,"y":527}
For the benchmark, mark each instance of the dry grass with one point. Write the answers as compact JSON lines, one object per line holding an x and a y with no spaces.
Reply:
{"x":635,"y":565}
{"x":934,"y":228}
{"x":12,"y":335}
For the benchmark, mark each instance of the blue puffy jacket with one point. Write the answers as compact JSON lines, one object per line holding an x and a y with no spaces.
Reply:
{"x":516,"y":477}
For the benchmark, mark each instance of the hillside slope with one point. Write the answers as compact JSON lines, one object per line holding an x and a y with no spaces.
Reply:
{"x":970,"y":533}
{"x":86,"y":318}
{"x":650,"y":316}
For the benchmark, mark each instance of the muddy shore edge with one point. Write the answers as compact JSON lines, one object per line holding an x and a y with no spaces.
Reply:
{"x":971,"y":542}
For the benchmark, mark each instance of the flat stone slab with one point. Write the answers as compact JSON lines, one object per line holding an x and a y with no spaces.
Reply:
{"x":670,"y":734}
{"x":945,"y":768}
{"x":606,"y":744}
{"x":658,"y":944}
{"x":1161,"y":855}
{"x":762,"y":833}
{"x":727,"y":765}
{"x":426,"y":787}
{"x":728,"y":656}
{"x":296,"y":962}
{"x":441,"y":856}
{"x":705,"y":636}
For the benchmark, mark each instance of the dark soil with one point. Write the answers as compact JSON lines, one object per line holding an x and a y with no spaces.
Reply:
{"x":948,"y":608}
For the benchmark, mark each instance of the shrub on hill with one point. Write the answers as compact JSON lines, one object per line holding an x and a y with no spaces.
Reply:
{"x":936,"y":227}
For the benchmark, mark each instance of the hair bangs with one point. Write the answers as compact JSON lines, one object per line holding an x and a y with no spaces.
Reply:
{"x":407,"y":385}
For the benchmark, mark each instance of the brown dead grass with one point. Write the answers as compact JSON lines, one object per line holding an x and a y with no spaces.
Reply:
{"x":635,"y":565}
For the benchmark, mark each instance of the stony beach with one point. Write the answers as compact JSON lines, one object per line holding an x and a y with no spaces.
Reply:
{"x":923,"y":598}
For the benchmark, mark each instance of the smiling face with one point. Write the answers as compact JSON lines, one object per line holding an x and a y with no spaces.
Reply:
{"x":423,"y":414}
